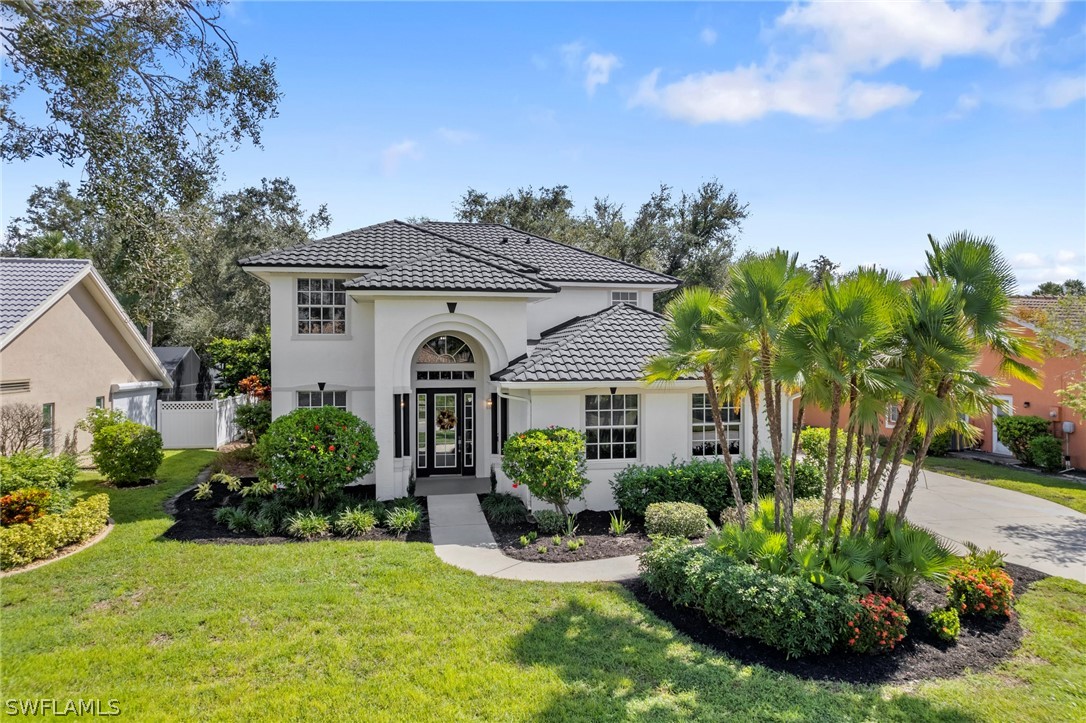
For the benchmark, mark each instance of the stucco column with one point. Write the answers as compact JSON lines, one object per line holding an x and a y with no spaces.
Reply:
{"x":388,"y":483}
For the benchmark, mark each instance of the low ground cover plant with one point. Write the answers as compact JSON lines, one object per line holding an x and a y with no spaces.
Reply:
{"x":703,"y":482}
{"x":308,"y":525}
{"x":549,"y":462}
{"x":503,"y":509}
{"x":676,"y":519}
{"x":945,"y":624}
{"x":355,"y":521}
{"x":22,"y":544}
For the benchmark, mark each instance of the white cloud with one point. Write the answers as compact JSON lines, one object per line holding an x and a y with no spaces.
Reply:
{"x":840,"y":42}
{"x":571,"y":54}
{"x":708,"y":36}
{"x":455,"y":136}
{"x":1032,"y":268}
{"x":966,"y":104}
{"x":598,"y":69}
{"x":394,"y":155}
{"x":1062,"y":92}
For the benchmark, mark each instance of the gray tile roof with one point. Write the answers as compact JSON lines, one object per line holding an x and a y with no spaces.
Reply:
{"x":612,"y":345}
{"x":556,"y":261}
{"x":25,"y":284}
{"x":450,"y":269}
{"x":395,"y":242}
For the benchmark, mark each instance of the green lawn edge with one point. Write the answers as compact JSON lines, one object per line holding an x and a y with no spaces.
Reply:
{"x":1061,"y":491}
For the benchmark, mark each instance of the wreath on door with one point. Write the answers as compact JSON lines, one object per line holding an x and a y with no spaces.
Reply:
{"x":446,"y":419}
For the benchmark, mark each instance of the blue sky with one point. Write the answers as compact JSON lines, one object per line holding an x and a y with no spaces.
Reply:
{"x":852,"y":129}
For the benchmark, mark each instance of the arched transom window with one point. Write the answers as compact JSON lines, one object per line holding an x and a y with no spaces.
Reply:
{"x":445,"y":350}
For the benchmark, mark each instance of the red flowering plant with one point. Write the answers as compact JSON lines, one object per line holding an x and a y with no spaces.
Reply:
{"x":549,"y":462}
{"x":978,"y":591}
{"x":23,"y":506}
{"x":254,"y":387}
{"x":877,"y":626}
{"x":314,"y":453}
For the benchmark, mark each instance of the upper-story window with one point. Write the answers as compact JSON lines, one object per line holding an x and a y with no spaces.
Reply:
{"x":623,"y":297}
{"x":322,"y":306}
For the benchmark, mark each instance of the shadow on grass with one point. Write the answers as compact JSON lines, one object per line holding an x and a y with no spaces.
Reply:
{"x":134,"y":504}
{"x":619,"y":669}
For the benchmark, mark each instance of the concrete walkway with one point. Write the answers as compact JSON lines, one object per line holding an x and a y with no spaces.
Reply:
{"x":1030,"y":531}
{"x":462,"y":538}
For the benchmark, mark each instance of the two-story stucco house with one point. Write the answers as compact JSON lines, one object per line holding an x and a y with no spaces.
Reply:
{"x":448,"y":337}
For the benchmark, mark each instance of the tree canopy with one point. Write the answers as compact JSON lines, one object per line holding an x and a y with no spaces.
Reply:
{"x":1071,"y":287}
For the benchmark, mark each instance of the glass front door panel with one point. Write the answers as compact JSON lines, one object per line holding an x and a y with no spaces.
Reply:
{"x":445,"y":432}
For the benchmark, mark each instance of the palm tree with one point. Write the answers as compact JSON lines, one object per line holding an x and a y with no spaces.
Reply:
{"x":686,"y":353}
{"x":759,"y":302}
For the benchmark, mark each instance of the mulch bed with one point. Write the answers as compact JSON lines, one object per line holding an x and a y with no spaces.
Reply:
{"x":981,"y":645}
{"x":593,"y":527}
{"x":195,"y":522}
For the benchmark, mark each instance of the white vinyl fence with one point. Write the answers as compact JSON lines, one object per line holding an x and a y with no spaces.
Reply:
{"x":199,"y":425}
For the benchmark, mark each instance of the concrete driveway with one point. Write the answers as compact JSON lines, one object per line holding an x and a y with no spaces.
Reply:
{"x":1030,"y":531}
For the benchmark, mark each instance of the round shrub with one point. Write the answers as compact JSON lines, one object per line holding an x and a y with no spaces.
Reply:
{"x":37,"y":470}
{"x":1046,"y":452}
{"x":878,"y":625}
{"x":314,"y":453}
{"x":254,"y":418}
{"x":355,"y":521}
{"x":1017,"y":432}
{"x":549,"y":522}
{"x":23,"y":506}
{"x":940,"y":444}
{"x":549,"y":462}
{"x":945,"y":624}
{"x":127,"y":452}
{"x":814,"y":442}
{"x":676,"y":519}
{"x":988,"y":593}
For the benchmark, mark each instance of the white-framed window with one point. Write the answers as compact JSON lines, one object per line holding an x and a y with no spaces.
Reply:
{"x":892,"y":413}
{"x":610,"y":424}
{"x":322,"y":399}
{"x":48,"y":425}
{"x":322,"y":306}
{"x":704,"y":439}
{"x":100,"y":402}
{"x":623,"y":297}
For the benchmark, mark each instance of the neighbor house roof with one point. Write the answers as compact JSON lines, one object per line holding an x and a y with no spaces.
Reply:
{"x":450,"y":269}
{"x":610,"y":345}
{"x":1040,"y":308}
{"x":30,"y":287}
{"x":395,"y":242}
{"x":171,"y":356}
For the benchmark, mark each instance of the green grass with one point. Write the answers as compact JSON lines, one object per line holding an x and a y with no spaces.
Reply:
{"x":385,"y":631}
{"x":1061,"y":491}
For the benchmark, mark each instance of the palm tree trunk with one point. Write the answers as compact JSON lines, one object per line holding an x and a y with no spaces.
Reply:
{"x":874,"y":474}
{"x":722,"y":439}
{"x":772,"y":408}
{"x":831,"y":457}
{"x":852,"y":425}
{"x":860,"y":476}
{"x":914,"y":473}
{"x":752,"y":392}
{"x":791,"y":497}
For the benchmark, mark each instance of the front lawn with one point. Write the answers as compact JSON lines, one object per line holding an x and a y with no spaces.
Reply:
{"x":1061,"y":491}
{"x":385,"y":631}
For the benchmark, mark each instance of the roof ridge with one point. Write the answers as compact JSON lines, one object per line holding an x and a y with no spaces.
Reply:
{"x":501,"y":268}
{"x":521,"y":264}
{"x":561,"y":344}
{"x":41,"y":259}
{"x":311,"y":242}
{"x":590,"y":253}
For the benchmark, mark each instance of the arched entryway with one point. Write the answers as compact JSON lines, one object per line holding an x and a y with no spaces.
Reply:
{"x":447,"y":372}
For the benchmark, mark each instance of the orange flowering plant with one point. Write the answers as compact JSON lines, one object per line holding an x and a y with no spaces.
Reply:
{"x":878,"y":625}
{"x":985,"y":592}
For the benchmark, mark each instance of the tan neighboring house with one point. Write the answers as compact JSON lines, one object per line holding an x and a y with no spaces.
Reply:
{"x":67,"y":345}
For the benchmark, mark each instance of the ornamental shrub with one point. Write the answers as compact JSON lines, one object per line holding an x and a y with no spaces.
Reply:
{"x":355,"y":521}
{"x":676,"y":519}
{"x":308,"y":525}
{"x":23,"y":507}
{"x":503,"y":509}
{"x":988,"y":593}
{"x":1046,"y":452}
{"x":254,"y":419}
{"x":940,"y":444}
{"x":23,"y":544}
{"x":877,"y":626}
{"x":37,"y":470}
{"x":785,"y":612}
{"x":549,"y":462}
{"x":814,"y":442}
{"x":98,"y":419}
{"x":945,"y":624}
{"x":127,"y":452}
{"x":402,"y":520}
{"x":705,"y":482}
{"x":549,"y":522}
{"x":314,"y":453}
{"x":1017,"y":432}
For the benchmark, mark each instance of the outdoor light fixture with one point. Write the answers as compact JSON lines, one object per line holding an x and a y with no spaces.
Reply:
{"x":1025,"y":404}
{"x":613,"y":390}
{"x":489,"y":402}
{"x":403,"y":402}
{"x":320,"y":385}
{"x":452,"y":306}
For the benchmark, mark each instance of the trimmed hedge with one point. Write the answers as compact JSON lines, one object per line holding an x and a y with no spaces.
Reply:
{"x":1016,"y":432}
{"x":676,"y":519}
{"x":23,"y":544}
{"x":704,"y":482}
{"x":787,"y":613}
{"x":1046,"y":452}
{"x":36,"y":470}
{"x":127,"y":452}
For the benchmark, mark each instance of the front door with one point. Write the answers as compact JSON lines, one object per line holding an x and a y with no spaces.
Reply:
{"x":997,"y":412}
{"x":445,"y":420}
